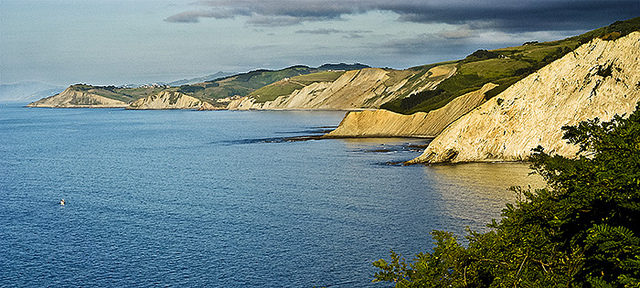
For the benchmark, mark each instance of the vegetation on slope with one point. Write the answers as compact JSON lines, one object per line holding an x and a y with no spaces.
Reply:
{"x":243,"y":84}
{"x":236,"y":85}
{"x":288,"y":85}
{"x":581,"y":231}
{"x":503,"y":67}
{"x":118,"y":93}
{"x":414,"y":80}
{"x":614,"y":31}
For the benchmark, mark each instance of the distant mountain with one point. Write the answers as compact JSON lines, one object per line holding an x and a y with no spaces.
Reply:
{"x":209,"y":77}
{"x":27,"y":91}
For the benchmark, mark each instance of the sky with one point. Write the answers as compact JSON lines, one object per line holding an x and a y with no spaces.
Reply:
{"x":116,"y":42}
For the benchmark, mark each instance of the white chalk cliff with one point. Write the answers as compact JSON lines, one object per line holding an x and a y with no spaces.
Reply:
{"x":384,"y":123}
{"x":72,"y":98}
{"x":166,"y":100}
{"x":599,"y":79}
{"x":365,"y":88}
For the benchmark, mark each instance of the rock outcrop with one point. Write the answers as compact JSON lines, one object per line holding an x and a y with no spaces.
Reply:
{"x":206,"y":106}
{"x":356,"y":89}
{"x":599,"y":79}
{"x":166,"y":100}
{"x":383,"y":123}
{"x":72,"y":98}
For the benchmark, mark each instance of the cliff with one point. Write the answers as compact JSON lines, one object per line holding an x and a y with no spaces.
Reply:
{"x":73,"y":98}
{"x":211,"y":91}
{"x":166,"y":100}
{"x":599,"y":79}
{"x":365,"y":88}
{"x":384,"y":123}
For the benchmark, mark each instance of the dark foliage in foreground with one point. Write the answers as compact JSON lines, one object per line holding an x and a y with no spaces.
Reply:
{"x":580,"y":231}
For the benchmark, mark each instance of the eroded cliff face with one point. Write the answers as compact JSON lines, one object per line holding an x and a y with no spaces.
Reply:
{"x":383,"y":123}
{"x":166,"y":100}
{"x":71,"y":98}
{"x":365,"y":88}
{"x":599,"y":79}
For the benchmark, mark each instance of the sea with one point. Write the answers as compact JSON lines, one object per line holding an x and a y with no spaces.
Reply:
{"x":180,"y":198}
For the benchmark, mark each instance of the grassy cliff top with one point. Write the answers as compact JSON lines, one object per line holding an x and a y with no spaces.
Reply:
{"x":287,"y":86}
{"x":504,"y":67}
{"x":236,"y":85}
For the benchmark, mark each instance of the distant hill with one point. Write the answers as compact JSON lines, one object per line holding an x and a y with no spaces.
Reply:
{"x":343,"y":90}
{"x":27,"y":91}
{"x":209,"y":77}
{"x":245,"y":83}
{"x":209,"y":91}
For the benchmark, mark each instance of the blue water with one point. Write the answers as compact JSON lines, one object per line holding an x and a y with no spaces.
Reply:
{"x":217,"y":199}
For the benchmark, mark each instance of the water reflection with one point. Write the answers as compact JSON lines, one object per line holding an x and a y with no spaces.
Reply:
{"x":469,"y":191}
{"x":354,"y":142}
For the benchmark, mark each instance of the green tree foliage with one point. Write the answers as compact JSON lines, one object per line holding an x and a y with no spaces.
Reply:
{"x":580,"y":231}
{"x":188,"y":89}
{"x":481,"y":55}
{"x":615,"y":30}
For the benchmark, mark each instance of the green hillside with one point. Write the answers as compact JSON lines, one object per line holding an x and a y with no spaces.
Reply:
{"x":288,"y":85}
{"x":118,"y":93}
{"x":245,"y":83}
{"x":236,"y":85}
{"x":503,"y":67}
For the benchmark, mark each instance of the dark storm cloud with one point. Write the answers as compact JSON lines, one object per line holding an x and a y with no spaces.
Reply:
{"x":277,"y":12}
{"x":520,"y":16}
{"x":512,"y":16}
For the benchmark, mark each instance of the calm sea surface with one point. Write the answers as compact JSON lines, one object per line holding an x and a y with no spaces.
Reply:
{"x":217,"y":199}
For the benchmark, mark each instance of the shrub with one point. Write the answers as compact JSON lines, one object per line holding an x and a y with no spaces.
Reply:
{"x":581,"y":231}
{"x":187,"y":89}
{"x":482,"y":55}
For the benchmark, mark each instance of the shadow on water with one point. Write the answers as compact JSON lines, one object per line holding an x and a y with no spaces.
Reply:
{"x":398,"y":150}
{"x":272,"y":140}
{"x":395,"y":150}
{"x":312,"y":130}
{"x":310,"y":133}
